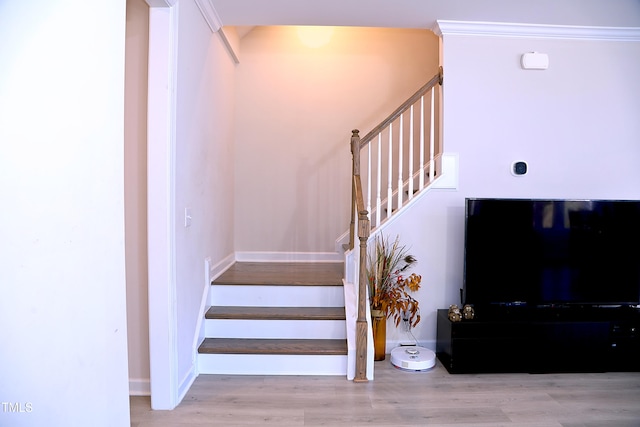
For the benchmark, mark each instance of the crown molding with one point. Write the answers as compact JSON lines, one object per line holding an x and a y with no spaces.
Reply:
{"x":503,"y":29}
{"x":210,"y":15}
{"x":161,"y":3}
{"x":228,"y":46}
{"x":212,"y":19}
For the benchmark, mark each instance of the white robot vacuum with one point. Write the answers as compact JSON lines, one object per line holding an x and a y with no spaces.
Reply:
{"x":413,"y":358}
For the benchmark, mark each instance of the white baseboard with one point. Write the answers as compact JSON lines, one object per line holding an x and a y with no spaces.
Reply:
{"x":221,"y":266}
{"x":139,"y":387}
{"x":204,"y":306}
{"x":289,"y":257}
{"x":342,"y":240}
{"x":186,"y":382}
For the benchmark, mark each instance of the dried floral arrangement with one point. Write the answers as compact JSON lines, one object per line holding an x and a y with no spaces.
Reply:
{"x":388,"y":265}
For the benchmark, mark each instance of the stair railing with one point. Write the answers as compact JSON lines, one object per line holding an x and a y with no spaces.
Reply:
{"x":408,"y":174}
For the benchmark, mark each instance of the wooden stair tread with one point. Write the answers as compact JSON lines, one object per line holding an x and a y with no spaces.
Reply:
{"x":276,"y":313}
{"x":282,"y":274}
{"x":326,"y":347}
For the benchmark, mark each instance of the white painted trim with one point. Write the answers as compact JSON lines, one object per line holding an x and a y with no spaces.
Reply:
{"x":187,"y":381}
{"x":212,"y":19}
{"x":161,"y":3}
{"x":210,"y":273}
{"x":272,"y":364}
{"x":449,"y":177}
{"x":342,"y":240}
{"x":351,"y":318}
{"x":351,"y":265}
{"x":228,"y":45}
{"x":222,"y":266}
{"x":504,"y":29}
{"x":370,"y":348}
{"x":267,"y":295}
{"x":199,"y":334}
{"x":275,"y":328}
{"x":139,"y":387}
{"x":209,"y":14}
{"x":289,"y":257}
{"x":163,"y":348}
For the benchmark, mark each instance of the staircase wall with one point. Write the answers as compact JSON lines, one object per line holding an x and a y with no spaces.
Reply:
{"x":190,"y":161}
{"x":296,"y":106}
{"x":204,"y":176}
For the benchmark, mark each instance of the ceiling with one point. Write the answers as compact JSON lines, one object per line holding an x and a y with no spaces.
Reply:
{"x":424,"y":13}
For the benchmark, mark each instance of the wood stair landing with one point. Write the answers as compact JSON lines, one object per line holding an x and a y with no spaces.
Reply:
{"x":282,"y":274}
{"x":276,"y":319}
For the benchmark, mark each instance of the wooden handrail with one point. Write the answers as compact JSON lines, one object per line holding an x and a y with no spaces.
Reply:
{"x":437,"y":79}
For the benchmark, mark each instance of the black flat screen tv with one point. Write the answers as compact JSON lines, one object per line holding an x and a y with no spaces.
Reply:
{"x":551,"y":253}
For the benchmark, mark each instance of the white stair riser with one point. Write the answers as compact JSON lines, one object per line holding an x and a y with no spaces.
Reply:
{"x":269,"y":364}
{"x":305,"y":329}
{"x":277,"y":296}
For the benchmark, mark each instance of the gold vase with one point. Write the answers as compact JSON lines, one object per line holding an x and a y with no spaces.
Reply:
{"x":379,"y":325}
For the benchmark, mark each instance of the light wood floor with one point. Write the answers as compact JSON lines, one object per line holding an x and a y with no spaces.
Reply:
{"x":398,"y":398}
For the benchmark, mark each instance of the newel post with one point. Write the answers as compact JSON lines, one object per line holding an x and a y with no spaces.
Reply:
{"x":355,"y":166}
{"x":364,"y":231}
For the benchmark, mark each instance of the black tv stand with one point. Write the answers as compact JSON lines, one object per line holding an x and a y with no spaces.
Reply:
{"x":539,"y":340}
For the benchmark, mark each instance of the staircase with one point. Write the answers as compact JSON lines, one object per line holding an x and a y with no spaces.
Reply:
{"x":276,"y":319}
{"x":291,"y":318}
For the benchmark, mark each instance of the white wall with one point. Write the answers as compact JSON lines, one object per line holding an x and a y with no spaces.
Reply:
{"x":204,"y":179}
{"x":62,"y":281}
{"x":135,"y":190}
{"x":296,"y":107}
{"x":576,"y":124}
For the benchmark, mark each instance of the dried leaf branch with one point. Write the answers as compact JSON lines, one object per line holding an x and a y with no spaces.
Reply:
{"x":387,"y":267}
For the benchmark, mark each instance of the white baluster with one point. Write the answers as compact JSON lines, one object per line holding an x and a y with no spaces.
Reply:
{"x":421,"y":180}
{"x":410,"y":189}
{"x":369,"y":180}
{"x":400,"y":160}
{"x":390,"y":178}
{"x":379,"y":180}
{"x":432,"y":166}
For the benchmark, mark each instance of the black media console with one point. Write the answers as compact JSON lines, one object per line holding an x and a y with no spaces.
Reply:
{"x":541,"y":340}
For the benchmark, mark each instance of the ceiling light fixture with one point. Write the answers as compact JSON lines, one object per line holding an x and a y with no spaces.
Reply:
{"x":315,"y":36}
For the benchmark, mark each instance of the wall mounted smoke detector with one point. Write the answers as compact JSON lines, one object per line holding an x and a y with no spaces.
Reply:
{"x":535,"y":61}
